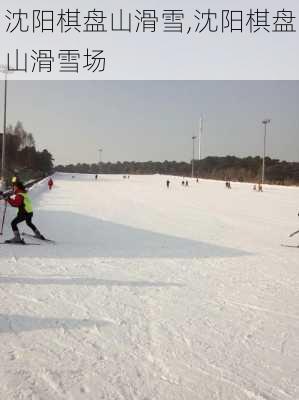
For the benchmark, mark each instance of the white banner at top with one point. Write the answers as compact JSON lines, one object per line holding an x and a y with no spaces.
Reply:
{"x":150,"y":40}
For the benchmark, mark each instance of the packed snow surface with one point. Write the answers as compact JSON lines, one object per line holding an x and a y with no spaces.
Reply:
{"x":152,"y":293}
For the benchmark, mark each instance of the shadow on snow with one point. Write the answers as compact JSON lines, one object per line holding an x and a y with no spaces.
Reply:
{"x":83,"y":236}
{"x":22,"y":323}
{"x":82,"y":281}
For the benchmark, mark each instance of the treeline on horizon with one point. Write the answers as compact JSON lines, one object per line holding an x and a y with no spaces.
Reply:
{"x":22,"y":158}
{"x":221,"y":168}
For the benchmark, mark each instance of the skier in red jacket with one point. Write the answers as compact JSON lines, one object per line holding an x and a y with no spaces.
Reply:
{"x":50,"y":183}
{"x":21,"y":200}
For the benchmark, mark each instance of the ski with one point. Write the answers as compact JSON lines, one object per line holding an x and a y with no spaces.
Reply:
{"x":290,"y":245}
{"x":34,"y":237}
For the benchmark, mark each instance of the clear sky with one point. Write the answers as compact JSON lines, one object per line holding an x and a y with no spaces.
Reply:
{"x":155,"y":120}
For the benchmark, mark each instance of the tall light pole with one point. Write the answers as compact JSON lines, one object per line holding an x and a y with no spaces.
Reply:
{"x":100,"y":155}
{"x":3,"y":69}
{"x":265,"y":122}
{"x":100,"y":158}
{"x":193,"y":155}
{"x":200,"y":138}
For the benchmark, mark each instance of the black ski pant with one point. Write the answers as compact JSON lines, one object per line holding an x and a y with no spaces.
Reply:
{"x":21,"y":217}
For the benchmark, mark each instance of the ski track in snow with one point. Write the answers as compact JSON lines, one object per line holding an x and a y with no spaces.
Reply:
{"x":152,"y":293}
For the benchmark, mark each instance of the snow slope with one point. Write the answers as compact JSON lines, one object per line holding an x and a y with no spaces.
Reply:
{"x":152,"y":293}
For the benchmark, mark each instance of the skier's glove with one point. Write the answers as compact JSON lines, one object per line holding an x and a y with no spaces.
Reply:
{"x":4,"y":196}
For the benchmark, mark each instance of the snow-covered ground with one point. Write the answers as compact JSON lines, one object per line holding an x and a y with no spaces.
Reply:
{"x":152,"y":293}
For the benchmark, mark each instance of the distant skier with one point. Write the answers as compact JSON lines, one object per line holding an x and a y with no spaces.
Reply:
{"x":167,"y":184}
{"x":187,"y":184}
{"x":96,"y":177}
{"x":50,"y":183}
{"x":183,"y":183}
{"x":21,"y":200}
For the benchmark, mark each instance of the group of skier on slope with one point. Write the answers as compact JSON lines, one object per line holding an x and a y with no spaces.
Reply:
{"x":18,"y":197}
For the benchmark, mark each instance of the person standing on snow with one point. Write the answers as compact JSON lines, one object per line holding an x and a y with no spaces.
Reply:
{"x":21,"y":200}
{"x":50,"y":183}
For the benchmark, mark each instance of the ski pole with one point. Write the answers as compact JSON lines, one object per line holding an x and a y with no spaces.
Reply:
{"x":3,"y":218}
{"x":294,"y":233}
